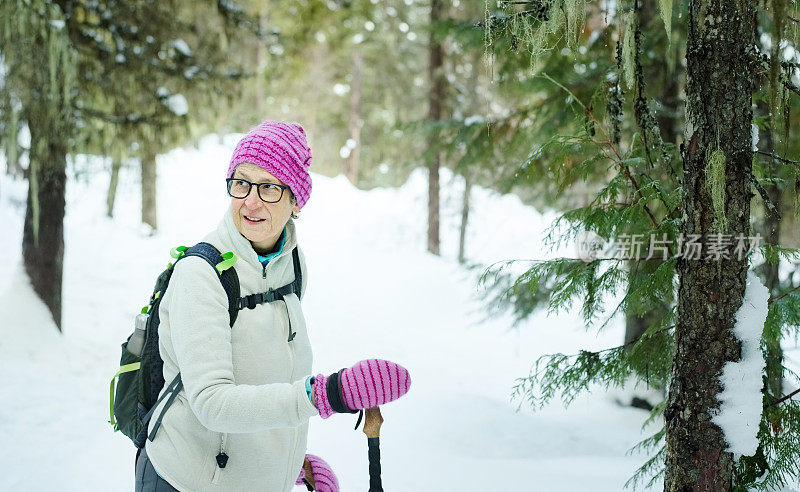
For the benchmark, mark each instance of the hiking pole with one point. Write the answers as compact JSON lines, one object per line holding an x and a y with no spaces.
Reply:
{"x":372,"y":428}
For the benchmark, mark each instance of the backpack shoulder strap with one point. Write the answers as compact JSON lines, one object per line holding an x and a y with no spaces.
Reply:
{"x":228,"y":276}
{"x":298,"y":275}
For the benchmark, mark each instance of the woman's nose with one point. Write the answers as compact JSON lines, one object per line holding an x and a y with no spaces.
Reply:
{"x":252,"y":200}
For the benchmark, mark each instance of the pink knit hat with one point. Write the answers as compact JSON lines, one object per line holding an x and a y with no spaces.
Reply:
{"x":280,"y":149}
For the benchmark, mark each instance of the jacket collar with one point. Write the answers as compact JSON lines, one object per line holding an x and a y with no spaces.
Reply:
{"x":242,"y":247}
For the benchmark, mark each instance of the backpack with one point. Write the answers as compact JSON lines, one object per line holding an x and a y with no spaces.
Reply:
{"x":140,"y":379}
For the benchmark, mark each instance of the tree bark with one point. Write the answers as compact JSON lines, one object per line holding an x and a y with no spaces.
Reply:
{"x":149,"y":212}
{"x":719,"y":114}
{"x":116,"y":164}
{"x":43,"y":232}
{"x":462,"y":233}
{"x":351,"y":164}
{"x":436,"y":74}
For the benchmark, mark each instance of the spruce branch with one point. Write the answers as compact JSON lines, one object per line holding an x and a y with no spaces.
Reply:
{"x":765,"y":197}
{"x":572,"y":374}
{"x":783,"y":399}
{"x":235,"y":14}
{"x":135,"y":119}
{"x":762,"y":62}
{"x":496,"y":22}
{"x":789,"y":85}
{"x":778,"y":158}
{"x":785,"y":294}
{"x":629,"y":295}
{"x":610,"y":144}
{"x":627,"y":344}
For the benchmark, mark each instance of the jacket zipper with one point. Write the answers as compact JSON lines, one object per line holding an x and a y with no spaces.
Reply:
{"x":222,"y":459}
{"x":290,"y":348}
{"x":290,"y":473}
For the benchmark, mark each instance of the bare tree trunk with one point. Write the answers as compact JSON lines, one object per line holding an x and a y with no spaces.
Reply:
{"x":718,"y":113}
{"x":462,"y":233}
{"x":436,"y":74}
{"x":351,"y":164}
{"x":149,"y":172}
{"x":43,"y":232}
{"x":116,"y":164}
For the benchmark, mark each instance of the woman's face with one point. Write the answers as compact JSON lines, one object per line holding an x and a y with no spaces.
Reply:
{"x":260,"y":222}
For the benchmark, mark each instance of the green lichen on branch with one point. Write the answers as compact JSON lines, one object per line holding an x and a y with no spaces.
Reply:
{"x":715,"y":184}
{"x":796,"y":200}
{"x":575,"y":19}
{"x":537,"y":26}
{"x":629,"y":51}
{"x":42,"y":24}
{"x":779,"y":12}
{"x":665,"y":9}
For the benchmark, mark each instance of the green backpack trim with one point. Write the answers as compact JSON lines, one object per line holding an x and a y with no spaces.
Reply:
{"x":134,"y":366}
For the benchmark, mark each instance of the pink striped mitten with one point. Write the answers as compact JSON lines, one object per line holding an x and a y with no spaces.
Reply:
{"x":324,"y":479}
{"x":367,"y":384}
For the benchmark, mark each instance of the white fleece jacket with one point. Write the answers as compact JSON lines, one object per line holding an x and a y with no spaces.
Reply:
{"x":244,"y":387}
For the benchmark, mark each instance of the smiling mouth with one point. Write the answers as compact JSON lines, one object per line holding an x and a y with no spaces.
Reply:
{"x":253,"y":220}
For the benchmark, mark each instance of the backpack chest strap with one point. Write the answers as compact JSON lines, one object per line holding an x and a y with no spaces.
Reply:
{"x":272,"y":295}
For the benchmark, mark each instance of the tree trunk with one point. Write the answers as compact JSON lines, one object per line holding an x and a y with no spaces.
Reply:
{"x":43,"y":232}
{"x":116,"y":164}
{"x":149,"y":215}
{"x":436,"y":74}
{"x":354,"y":121}
{"x":462,"y":233}
{"x":261,"y":63}
{"x":718,"y":113}
{"x":10,"y":144}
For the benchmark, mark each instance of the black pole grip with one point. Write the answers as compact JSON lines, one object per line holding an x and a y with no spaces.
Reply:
{"x":374,"y":452}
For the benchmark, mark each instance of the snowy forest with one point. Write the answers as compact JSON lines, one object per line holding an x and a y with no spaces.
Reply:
{"x":575,"y":222}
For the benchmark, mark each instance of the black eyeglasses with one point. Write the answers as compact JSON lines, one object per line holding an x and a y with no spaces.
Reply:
{"x":268,"y":192}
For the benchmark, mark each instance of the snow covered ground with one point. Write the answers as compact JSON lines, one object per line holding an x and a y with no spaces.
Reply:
{"x":372,"y":292}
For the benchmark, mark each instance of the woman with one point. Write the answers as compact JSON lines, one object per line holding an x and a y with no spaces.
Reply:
{"x":241,"y":420}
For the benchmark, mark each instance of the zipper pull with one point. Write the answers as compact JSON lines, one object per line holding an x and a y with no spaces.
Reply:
{"x":222,"y":460}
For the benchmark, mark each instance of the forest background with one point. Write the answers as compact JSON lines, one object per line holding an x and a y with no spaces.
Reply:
{"x":587,"y":109}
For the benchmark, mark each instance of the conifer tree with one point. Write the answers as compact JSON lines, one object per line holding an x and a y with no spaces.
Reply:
{"x":76,"y":66}
{"x":615,"y":150}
